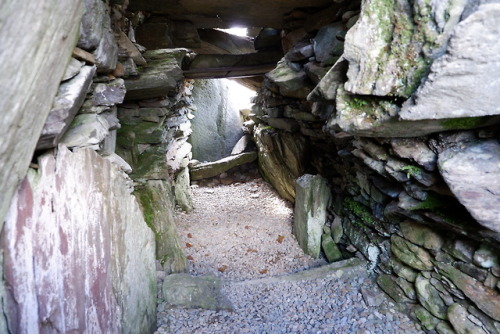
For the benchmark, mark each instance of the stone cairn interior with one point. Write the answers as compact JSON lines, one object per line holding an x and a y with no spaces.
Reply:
{"x":378,"y":119}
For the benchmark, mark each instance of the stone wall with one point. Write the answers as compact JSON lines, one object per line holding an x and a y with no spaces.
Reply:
{"x":79,"y":239}
{"x":413,"y":177}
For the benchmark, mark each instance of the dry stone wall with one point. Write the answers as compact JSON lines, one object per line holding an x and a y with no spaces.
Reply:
{"x":413,"y":169}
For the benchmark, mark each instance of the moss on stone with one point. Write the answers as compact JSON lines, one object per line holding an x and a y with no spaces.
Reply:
{"x":463,"y":123}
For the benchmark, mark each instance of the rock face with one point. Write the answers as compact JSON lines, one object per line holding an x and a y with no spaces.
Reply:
{"x":473,"y":175}
{"x":400,"y":46}
{"x":467,"y":64}
{"x":312,"y":198}
{"x":156,"y":199}
{"x":74,"y":230}
{"x":39,"y":61}
{"x":217,"y":123}
{"x":281,"y":157}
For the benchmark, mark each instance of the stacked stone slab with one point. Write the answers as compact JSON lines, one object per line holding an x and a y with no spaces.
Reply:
{"x":414,"y":183}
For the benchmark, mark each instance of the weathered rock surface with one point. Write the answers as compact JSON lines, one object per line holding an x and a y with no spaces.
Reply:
{"x":313,"y":196}
{"x":388,"y":284}
{"x":74,"y":230}
{"x":429,"y":297}
{"x":421,"y":235}
{"x":217,"y":123}
{"x":157,"y":203}
{"x":66,"y":104}
{"x":92,"y":25}
{"x":410,"y":254}
{"x":183,"y":190}
{"x":389,"y":50}
{"x":86,"y":130}
{"x":25,"y":106}
{"x":331,"y":250}
{"x":281,"y":159}
{"x":469,"y":61}
{"x":211,"y":169}
{"x":328,"y":44}
{"x":159,"y":77}
{"x":473,"y":176}
{"x":486,"y":299}
{"x":291,"y":83}
{"x":191,"y":292}
{"x":458,"y":316}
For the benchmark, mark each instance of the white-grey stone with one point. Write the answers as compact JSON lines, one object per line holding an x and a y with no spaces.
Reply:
{"x":472,"y":172}
{"x":92,"y":25}
{"x":86,"y":130}
{"x":109,"y":94}
{"x":463,"y":82}
{"x":66,"y":104}
{"x":120,"y":162}
{"x":312,"y":198}
{"x":73,"y":68}
{"x":83,"y":237}
{"x":241,"y":145}
{"x":217,"y":123}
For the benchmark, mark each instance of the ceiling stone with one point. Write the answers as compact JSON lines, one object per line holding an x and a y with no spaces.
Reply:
{"x":227,"y":13}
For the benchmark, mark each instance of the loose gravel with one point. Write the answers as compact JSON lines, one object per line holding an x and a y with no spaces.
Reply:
{"x":242,"y":232}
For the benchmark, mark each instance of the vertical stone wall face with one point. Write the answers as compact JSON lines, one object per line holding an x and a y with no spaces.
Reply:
{"x":78,"y":254}
{"x":32,"y":65}
{"x":415,"y":189}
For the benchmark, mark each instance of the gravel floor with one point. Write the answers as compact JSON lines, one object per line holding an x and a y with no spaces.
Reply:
{"x":242,"y":232}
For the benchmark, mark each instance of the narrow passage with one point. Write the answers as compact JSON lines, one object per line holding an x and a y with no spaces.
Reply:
{"x":241,"y":233}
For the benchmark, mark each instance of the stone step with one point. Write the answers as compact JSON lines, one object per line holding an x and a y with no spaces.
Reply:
{"x":205,"y":292}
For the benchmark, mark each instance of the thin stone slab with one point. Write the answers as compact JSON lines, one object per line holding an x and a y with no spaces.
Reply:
{"x":312,"y":199}
{"x":67,"y":102}
{"x":194,"y":292}
{"x":211,"y":169}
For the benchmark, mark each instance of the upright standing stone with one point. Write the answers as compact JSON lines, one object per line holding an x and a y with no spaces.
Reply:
{"x":312,"y":199}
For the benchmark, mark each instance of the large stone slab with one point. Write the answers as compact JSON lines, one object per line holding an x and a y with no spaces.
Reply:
{"x":313,"y":197}
{"x":281,"y":159}
{"x":217,"y":123}
{"x":464,"y":81}
{"x":159,"y":77}
{"x":66,"y":104}
{"x":32,"y":65}
{"x":486,"y":299}
{"x":291,"y":83}
{"x":370,"y":116}
{"x":195,"y":292}
{"x":473,"y":175}
{"x":211,"y":169}
{"x":411,"y":254}
{"x":74,"y":230}
{"x":92,"y":25}
{"x":157,"y":203}
{"x":227,"y":13}
{"x":390,"y":48}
